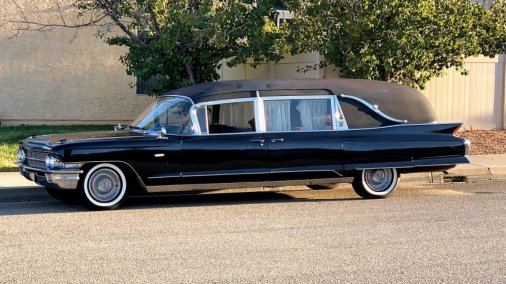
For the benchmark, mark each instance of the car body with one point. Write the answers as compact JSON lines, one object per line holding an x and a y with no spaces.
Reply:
{"x":233,"y":134}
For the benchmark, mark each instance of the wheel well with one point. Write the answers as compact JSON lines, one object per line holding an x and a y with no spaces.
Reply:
{"x":134,"y":182}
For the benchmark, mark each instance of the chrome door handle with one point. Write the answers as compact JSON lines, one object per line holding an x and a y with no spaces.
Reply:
{"x":261,"y":141}
{"x":274,"y":140}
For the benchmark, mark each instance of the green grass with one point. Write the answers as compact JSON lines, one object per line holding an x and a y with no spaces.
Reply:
{"x":10,"y":135}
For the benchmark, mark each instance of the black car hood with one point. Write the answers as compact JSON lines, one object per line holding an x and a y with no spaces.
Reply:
{"x":80,"y":136}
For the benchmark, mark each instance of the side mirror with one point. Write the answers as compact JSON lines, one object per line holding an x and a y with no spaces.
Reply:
{"x":163,"y":131}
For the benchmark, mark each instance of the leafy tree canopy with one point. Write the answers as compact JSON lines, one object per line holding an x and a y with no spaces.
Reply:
{"x":397,"y":40}
{"x":184,"y":42}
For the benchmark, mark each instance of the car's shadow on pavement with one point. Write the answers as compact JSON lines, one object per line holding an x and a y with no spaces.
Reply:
{"x":35,"y":200}
{"x":152,"y":201}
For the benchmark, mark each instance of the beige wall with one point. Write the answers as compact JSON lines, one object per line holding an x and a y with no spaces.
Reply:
{"x":63,"y":77}
{"x":285,"y":69}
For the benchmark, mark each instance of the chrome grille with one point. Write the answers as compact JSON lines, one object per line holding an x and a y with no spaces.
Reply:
{"x":36,"y":163}
{"x":36,"y":155}
{"x":35,"y":158}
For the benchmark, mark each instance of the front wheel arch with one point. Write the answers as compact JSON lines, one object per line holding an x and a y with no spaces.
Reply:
{"x":136,"y":184}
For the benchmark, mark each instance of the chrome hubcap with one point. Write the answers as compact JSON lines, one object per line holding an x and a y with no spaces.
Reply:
{"x":104,"y":185}
{"x":379,"y":180}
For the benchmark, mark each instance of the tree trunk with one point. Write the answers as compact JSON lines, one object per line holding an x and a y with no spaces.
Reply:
{"x":197,"y":72}
{"x":190,"y":74}
{"x":386,"y":76}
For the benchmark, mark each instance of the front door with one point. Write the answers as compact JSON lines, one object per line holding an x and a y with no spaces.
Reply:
{"x":227,"y":158}
{"x":228,"y":149}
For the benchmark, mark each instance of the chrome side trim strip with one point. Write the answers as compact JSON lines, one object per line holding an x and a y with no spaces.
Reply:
{"x":403,"y":125}
{"x":435,"y":162}
{"x":373,"y":108}
{"x":166,"y":176}
{"x":226,"y":173}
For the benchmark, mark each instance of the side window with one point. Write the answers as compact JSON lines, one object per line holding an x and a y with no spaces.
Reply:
{"x":359,"y":116}
{"x":227,"y":118}
{"x":298,"y":114}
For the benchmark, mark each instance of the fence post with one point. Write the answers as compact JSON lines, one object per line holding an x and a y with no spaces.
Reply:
{"x":503,"y":112}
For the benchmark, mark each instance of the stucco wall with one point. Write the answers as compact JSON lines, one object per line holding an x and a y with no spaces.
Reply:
{"x":62,"y":77}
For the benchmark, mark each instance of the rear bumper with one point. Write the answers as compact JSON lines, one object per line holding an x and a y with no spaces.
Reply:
{"x":61,"y":179}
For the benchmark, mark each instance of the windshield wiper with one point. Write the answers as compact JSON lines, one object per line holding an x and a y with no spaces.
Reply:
{"x":137,"y":129}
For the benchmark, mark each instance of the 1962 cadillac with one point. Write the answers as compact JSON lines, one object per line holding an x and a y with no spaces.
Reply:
{"x":233,"y":134}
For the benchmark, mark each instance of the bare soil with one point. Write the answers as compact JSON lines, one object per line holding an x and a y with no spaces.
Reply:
{"x":486,"y":142}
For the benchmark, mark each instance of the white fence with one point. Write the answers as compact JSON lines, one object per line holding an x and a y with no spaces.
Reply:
{"x":478,"y":99}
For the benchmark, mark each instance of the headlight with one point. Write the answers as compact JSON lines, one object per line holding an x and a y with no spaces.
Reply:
{"x":21,"y":155}
{"x":52,"y":162}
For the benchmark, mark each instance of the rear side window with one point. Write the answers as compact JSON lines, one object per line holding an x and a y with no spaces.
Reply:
{"x":292,"y":114}
{"x":359,"y":116}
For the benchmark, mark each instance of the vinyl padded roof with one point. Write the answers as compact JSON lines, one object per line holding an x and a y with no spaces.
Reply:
{"x":393,"y":99}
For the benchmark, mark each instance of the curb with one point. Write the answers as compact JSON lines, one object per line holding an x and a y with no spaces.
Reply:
{"x":461,"y":173}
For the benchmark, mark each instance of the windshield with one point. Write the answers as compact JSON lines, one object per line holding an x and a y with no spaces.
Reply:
{"x":173,"y":113}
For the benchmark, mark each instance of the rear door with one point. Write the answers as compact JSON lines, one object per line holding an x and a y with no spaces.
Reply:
{"x":303,"y":139}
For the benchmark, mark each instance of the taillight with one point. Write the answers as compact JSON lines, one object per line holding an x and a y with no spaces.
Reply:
{"x":456,"y":130}
{"x":467,"y":145}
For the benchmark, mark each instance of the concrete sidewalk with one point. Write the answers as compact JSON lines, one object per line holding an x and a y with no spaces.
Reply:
{"x":482,"y":168}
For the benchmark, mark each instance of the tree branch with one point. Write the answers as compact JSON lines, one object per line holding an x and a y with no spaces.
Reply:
{"x":112,"y":12}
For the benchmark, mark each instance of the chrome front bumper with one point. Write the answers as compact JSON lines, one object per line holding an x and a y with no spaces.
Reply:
{"x":62,"y":179}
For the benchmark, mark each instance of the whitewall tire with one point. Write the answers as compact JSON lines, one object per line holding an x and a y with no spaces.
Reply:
{"x":375,"y":183}
{"x":104,"y":187}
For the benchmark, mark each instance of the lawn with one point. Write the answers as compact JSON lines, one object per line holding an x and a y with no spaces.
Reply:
{"x":10,"y":135}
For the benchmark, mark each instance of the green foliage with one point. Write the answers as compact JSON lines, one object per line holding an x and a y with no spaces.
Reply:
{"x":184,"y":42}
{"x":397,"y":40}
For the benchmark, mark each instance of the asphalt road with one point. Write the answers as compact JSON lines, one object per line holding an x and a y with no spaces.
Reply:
{"x":445,"y":233}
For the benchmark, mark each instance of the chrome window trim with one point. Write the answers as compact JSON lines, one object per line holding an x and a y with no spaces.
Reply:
{"x":400,"y":125}
{"x":198,"y":132}
{"x":316,"y":97}
{"x":330,"y":97}
{"x":338,"y":115}
{"x":259,"y":111}
{"x":261,"y":124}
{"x":195,"y":121}
{"x":161,"y":98}
{"x":228,"y":101}
{"x":374,"y":108}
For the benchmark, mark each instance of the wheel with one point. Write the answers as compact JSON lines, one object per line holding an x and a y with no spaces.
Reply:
{"x":376,"y":183}
{"x":62,"y":195}
{"x":104,"y":187}
{"x":322,"y":186}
